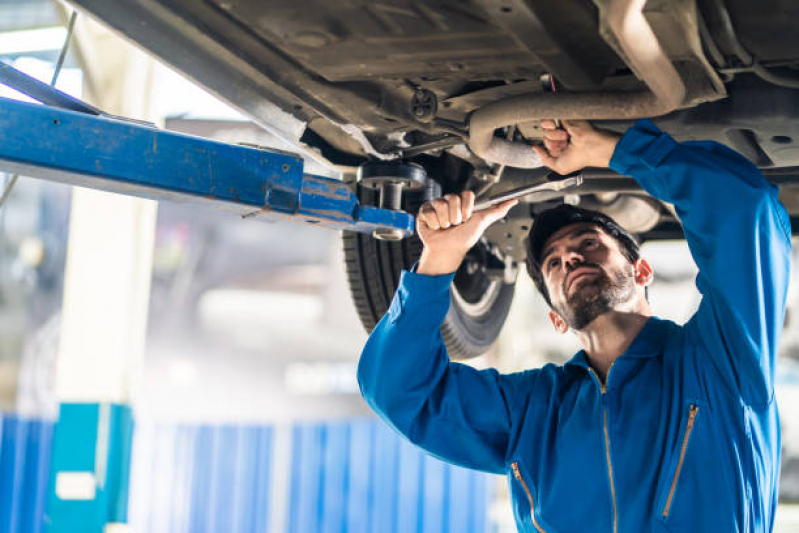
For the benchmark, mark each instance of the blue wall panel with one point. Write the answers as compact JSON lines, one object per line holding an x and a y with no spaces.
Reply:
{"x":24,"y":468}
{"x":307,"y":480}
{"x":359,"y":496}
{"x":336,"y":461}
{"x":378,"y":483}
{"x":200,"y":479}
{"x":349,"y":476}
{"x":384,"y":454}
{"x":409,"y":497}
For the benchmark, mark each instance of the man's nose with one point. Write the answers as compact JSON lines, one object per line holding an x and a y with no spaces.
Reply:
{"x":573,"y":260}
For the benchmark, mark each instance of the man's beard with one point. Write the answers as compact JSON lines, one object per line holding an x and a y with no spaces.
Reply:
{"x":597,"y":296}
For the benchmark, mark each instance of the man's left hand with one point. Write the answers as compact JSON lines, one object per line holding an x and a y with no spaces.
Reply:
{"x":576,"y":145}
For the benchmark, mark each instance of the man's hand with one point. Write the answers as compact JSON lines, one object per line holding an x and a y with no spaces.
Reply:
{"x":576,"y":146}
{"x":448,"y":228}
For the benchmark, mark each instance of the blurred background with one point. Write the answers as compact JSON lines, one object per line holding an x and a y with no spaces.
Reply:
{"x":247,"y":411}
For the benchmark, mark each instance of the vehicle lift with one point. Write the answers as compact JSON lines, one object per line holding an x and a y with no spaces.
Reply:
{"x":68,"y":141}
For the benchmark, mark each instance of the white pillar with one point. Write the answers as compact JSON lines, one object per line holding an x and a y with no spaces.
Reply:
{"x":105,"y":308}
{"x":106,"y":295}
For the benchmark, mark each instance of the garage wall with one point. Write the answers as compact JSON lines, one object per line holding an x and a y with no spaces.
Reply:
{"x":353,"y":475}
{"x":359,"y":476}
{"x":347,"y":476}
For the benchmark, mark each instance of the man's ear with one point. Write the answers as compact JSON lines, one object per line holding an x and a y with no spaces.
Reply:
{"x":560,"y":325}
{"x":643,"y":272}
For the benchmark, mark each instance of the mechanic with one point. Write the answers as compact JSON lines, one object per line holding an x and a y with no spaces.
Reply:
{"x":652,"y":426}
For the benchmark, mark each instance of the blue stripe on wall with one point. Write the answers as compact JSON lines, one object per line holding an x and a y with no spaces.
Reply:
{"x":24,"y":471}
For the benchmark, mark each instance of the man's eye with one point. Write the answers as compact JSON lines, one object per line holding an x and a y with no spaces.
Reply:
{"x":553,"y":263}
{"x":588,"y":243}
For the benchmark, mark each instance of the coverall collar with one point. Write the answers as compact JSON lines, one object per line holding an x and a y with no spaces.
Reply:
{"x":648,"y":343}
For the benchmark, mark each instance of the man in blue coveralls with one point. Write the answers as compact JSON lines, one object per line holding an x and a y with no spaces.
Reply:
{"x":651,"y":426}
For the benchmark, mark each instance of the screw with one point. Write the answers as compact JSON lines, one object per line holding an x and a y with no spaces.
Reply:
{"x":286,"y":167}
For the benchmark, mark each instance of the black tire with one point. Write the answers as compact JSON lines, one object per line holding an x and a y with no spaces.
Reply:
{"x":478,"y":304}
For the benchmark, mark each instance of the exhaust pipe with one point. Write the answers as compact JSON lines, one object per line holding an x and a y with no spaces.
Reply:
{"x":622,"y":23}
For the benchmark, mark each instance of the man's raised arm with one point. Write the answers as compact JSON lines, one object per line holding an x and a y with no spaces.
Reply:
{"x":451,"y":410}
{"x":739,"y":235}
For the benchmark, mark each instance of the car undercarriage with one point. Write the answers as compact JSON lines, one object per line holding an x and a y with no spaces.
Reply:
{"x":459,"y":88}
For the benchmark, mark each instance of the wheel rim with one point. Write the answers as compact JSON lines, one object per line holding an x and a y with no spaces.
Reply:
{"x":473,"y":290}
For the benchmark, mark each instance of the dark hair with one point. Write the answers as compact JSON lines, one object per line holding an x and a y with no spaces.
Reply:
{"x":552,"y":220}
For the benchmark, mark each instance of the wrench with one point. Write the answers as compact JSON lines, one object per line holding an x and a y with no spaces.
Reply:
{"x":555,"y":185}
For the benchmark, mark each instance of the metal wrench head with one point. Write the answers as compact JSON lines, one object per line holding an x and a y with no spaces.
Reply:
{"x":548,"y":186}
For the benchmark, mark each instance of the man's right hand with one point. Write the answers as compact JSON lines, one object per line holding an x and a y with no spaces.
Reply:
{"x":449,"y":227}
{"x":576,"y":145}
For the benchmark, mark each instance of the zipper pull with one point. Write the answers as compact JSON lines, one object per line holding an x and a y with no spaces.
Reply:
{"x":692,"y":415}
{"x":515,"y":467}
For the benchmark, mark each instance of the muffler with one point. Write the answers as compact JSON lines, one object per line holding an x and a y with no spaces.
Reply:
{"x":621,"y":21}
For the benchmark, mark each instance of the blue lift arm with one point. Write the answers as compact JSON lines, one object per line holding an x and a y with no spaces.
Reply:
{"x":112,"y":154}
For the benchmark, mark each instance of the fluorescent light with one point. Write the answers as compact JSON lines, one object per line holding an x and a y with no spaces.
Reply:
{"x":39,"y":40}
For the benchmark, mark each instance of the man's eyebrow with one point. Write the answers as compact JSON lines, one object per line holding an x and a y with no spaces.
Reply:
{"x":573,"y":235}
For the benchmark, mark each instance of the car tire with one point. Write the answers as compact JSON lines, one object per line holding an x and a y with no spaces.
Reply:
{"x":479,"y":304}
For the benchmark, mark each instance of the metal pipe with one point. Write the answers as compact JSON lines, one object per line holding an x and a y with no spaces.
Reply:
{"x":638,"y":43}
{"x":438,"y":144}
{"x":62,"y":56}
{"x":42,"y":92}
{"x":750,"y":62}
{"x":792,"y":82}
{"x":56,"y":72}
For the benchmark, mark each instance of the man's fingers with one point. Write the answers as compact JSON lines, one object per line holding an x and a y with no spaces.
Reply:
{"x":467,"y":204}
{"x":553,"y":161}
{"x":576,"y":126}
{"x":441,"y":207}
{"x":421,"y":224}
{"x":555,"y":148}
{"x":547,"y":159}
{"x":556,"y":135}
{"x":454,"y":203}
{"x":452,"y":210}
{"x":548,"y":124}
{"x":441,"y":213}
{"x":494,"y":213}
{"x":427,"y":215}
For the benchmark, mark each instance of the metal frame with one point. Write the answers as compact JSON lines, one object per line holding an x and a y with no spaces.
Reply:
{"x":84,"y":147}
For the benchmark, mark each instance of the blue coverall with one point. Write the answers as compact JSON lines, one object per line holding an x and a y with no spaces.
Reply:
{"x":685,"y":434}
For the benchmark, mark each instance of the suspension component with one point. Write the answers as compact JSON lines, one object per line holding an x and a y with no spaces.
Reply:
{"x":391,"y":179}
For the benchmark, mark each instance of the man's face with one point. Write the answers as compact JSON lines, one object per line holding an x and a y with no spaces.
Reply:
{"x":586,"y":274}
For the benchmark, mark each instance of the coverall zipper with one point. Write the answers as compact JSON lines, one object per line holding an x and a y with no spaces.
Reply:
{"x":691,"y":417}
{"x":518,"y":475}
{"x":603,"y":389}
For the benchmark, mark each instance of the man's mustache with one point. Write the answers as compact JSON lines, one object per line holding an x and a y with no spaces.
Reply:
{"x":571,"y":268}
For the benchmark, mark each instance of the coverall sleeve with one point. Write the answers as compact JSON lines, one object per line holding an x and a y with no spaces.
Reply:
{"x":453,"y":411}
{"x":740,"y":238}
